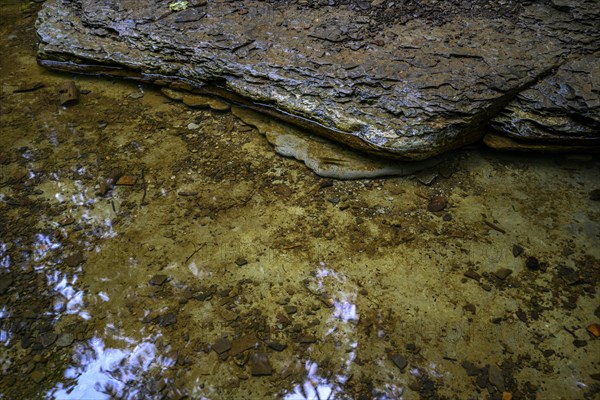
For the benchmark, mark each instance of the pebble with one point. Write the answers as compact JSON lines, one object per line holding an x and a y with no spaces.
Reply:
{"x":242,"y":344}
{"x":437,"y":203}
{"x":307,"y":339}
{"x":167,"y":319}
{"x":532,"y":263}
{"x":158,"y":280}
{"x":74,"y":259}
{"x":472,"y":274}
{"x":579,"y":343}
{"x":193,"y":126}
{"x":64,"y":340}
{"x":517,"y":250}
{"x":291,"y":309}
{"x":594,"y":329}
{"x":470,"y":308}
{"x":503,"y":273}
{"x":38,"y":375}
{"x":260,"y":364}
{"x":221,"y":346}
{"x":241,"y":261}
{"x":495,"y":377}
{"x":398,"y":360}
{"x":595,"y":195}
{"x":277,"y":346}
{"x":48,"y":338}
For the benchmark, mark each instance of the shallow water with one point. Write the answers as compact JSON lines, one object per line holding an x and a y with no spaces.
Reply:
{"x":223,"y":270}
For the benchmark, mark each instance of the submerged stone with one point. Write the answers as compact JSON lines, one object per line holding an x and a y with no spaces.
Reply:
{"x":395,"y":84}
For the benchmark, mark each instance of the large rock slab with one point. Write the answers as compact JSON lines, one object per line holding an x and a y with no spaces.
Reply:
{"x":408,"y":81}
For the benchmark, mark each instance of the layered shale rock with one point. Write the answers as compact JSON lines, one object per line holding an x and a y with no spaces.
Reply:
{"x":408,"y":81}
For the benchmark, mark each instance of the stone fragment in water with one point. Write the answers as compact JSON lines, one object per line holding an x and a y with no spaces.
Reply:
{"x":221,"y":346}
{"x":437,"y":203}
{"x":74,"y":259}
{"x":503,"y":273}
{"x":69,"y":94}
{"x":517,"y":250}
{"x":495,"y":377}
{"x":398,"y":360}
{"x":260,"y":364}
{"x":158,"y":280}
{"x":244,"y":343}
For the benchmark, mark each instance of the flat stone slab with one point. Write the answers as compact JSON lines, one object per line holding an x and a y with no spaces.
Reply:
{"x":402,"y":81}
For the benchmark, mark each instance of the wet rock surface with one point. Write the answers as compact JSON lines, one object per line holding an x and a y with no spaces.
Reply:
{"x":408,"y":80}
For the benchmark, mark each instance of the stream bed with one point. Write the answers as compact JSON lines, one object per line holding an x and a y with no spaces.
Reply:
{"x":150,"y":250}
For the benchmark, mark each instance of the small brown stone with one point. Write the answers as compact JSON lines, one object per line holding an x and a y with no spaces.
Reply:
{"x":158,"y":280}
{"x":242,"y":344}
{"x":307,"y":339}
{"x":241,"y":261}
{"x":398,"y":360}
{"x":503,"y":273}
{"x":517,"y":250}
{"x":127,"y":180}
{"x":291,"y":309}
{"x":470,"y":308}
{"x":74,"y":259}
{"x":260,"y":364}
{"x":437,"y":203}
{"x":221,"y":346}
{"x":594,"y":329}
{"x":470,"y":273}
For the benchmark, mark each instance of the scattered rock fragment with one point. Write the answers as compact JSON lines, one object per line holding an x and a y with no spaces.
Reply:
{"x":260,"y":364}
{"x":594,"y":329}
{"x":74,"y":259}
{"x":517,"y":250}
{"x":107,"y":184}
{"x":290,"y":309}
{"x":277,"y":346}
{"x":398,"y":360}
{"x":495,"y":377}
{"x":69,"y":94}
{"x":569,"y":275}
{"x":595,"y":195}
{"x":126,"y":180}
{"x":229,"y":315}
{"x":38,"y":375}
{"x":437,"y":203}
{"x":503,"y":273}
{"x":64,"y":340}
{"x":470,"y":273}
{"x":221,"y":346}
{"x":307,"y":339}
{"x":241,"y":261}
{"x":244,"y":343}
{"x":158,"y":280}
{"x":48,"y":338}
{"x":470,"y":308}
{"x":532,"y":263}
{"x":167,"y":319}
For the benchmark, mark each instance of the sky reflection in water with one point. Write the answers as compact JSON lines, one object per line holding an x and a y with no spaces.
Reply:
{"x":104,"y":373}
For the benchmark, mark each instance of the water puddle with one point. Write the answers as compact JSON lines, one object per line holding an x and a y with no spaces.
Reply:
{"x":152,"y":250}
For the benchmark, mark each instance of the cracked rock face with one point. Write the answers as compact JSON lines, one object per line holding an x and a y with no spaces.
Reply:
{"x":380,"y":78}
